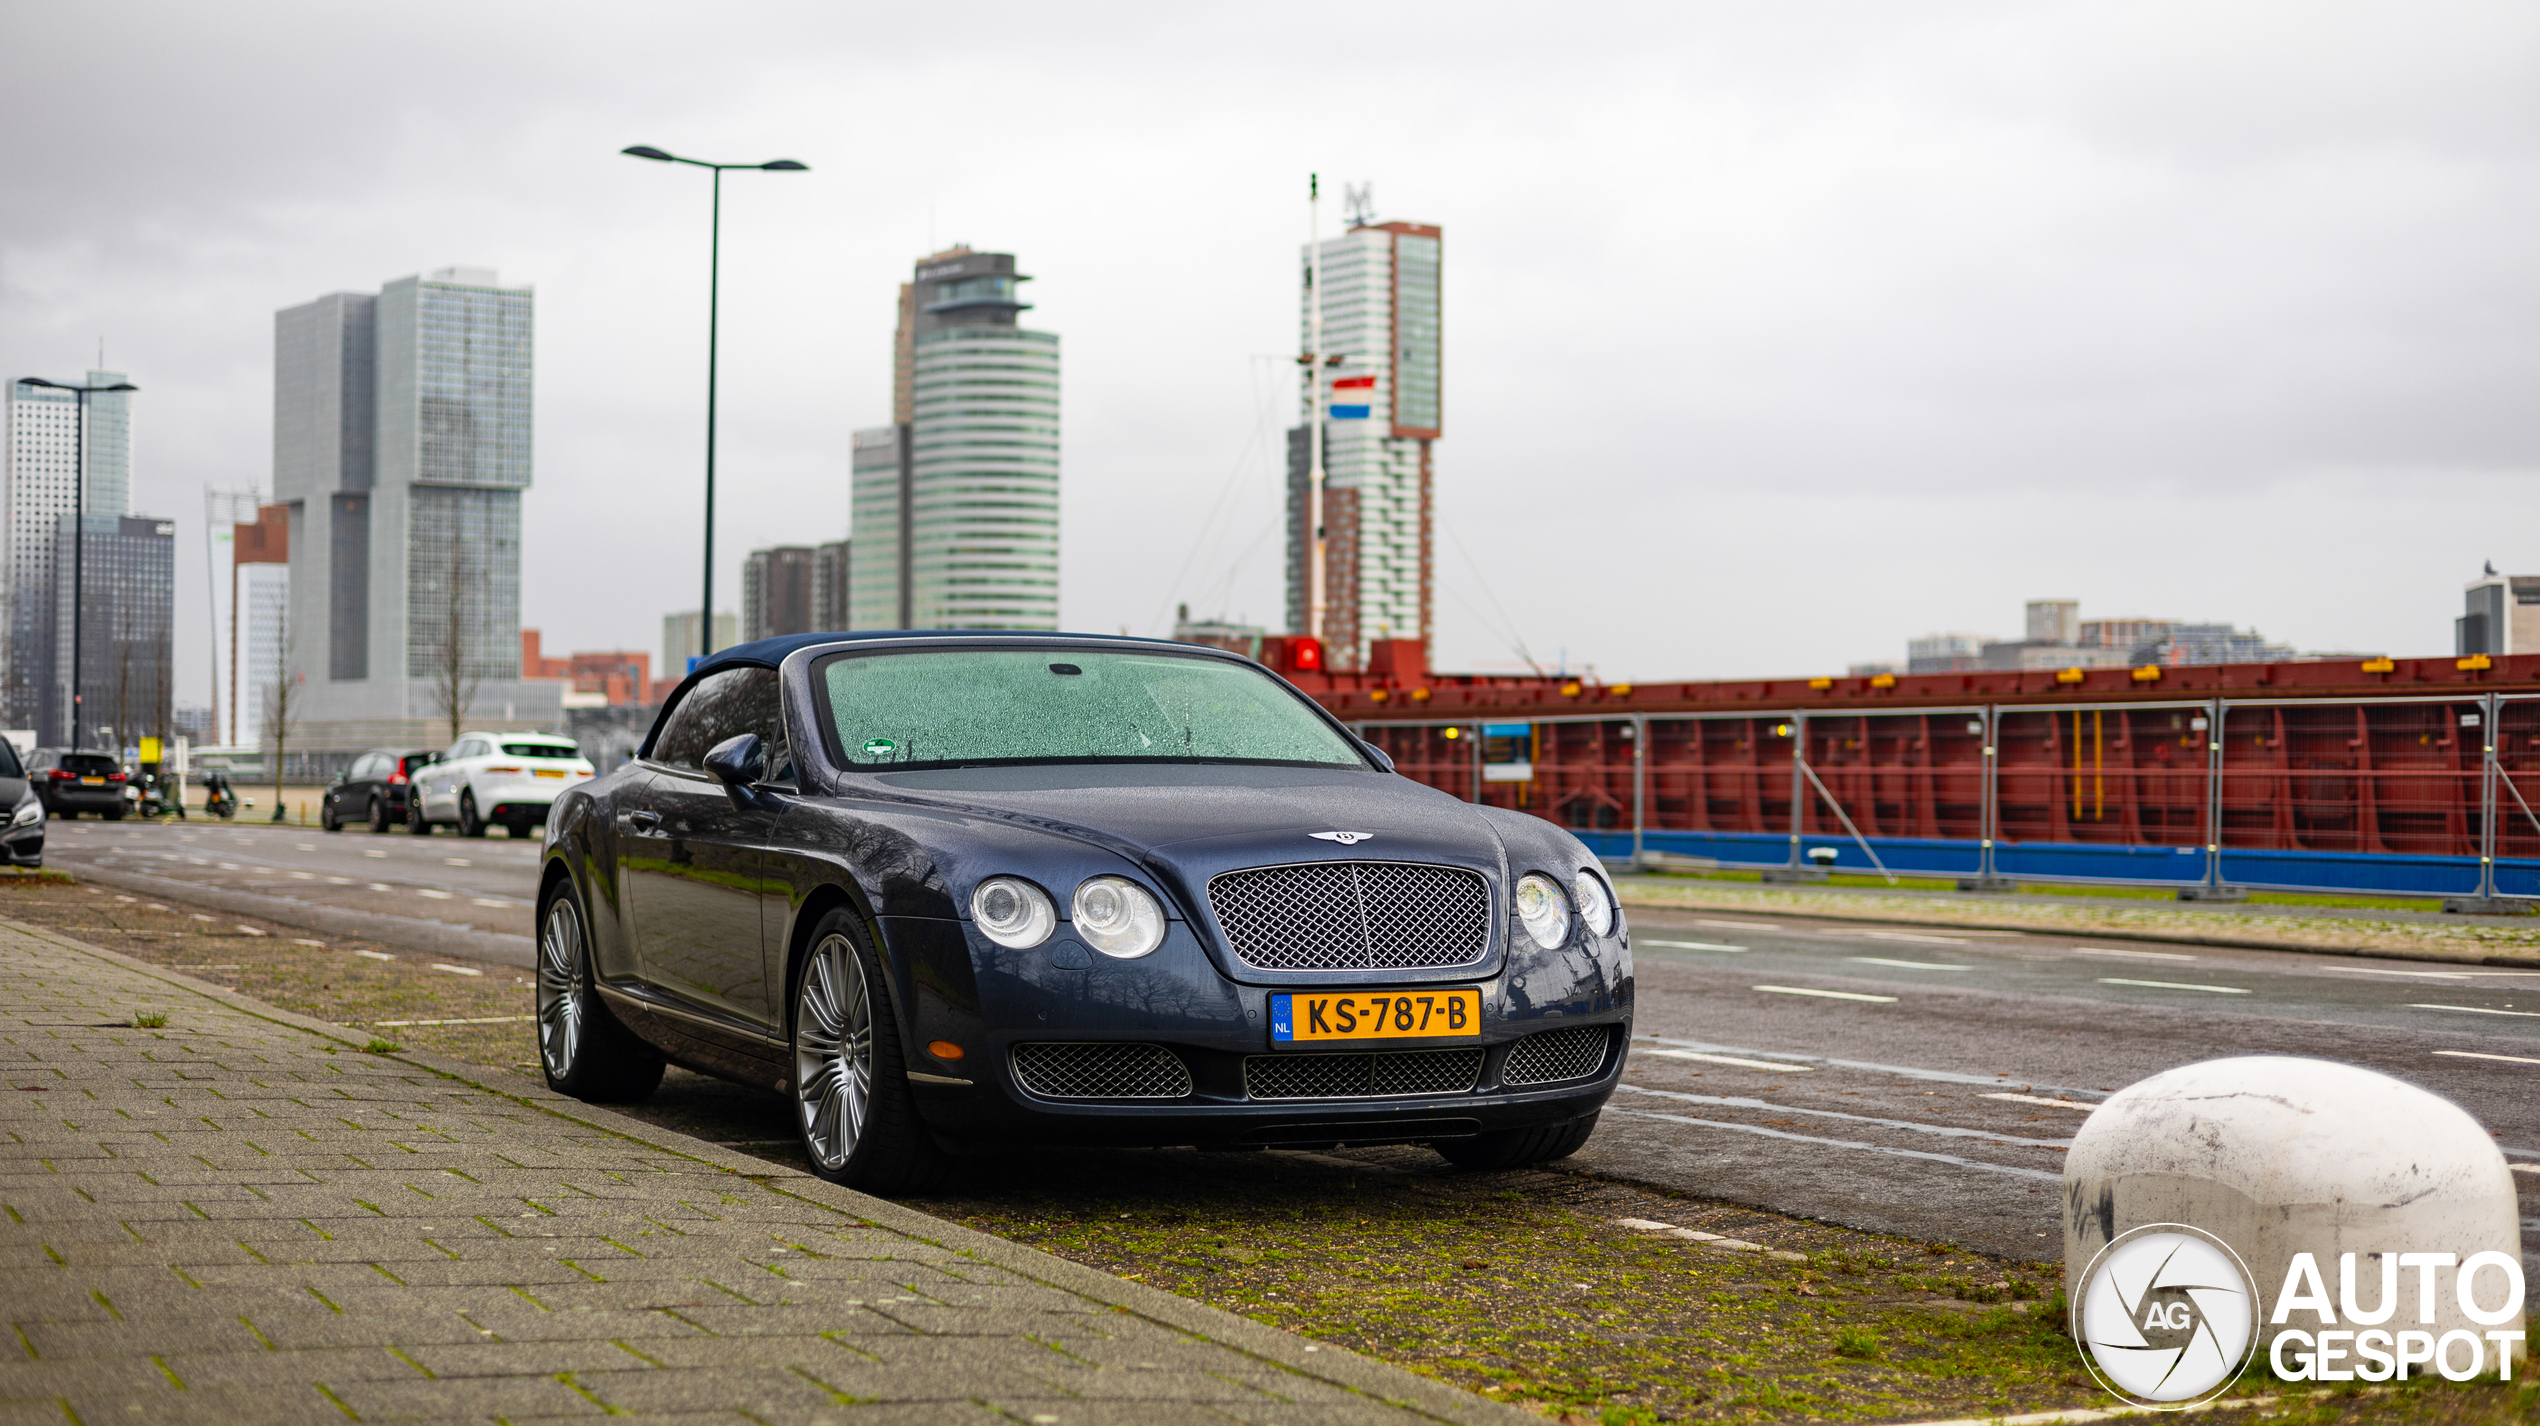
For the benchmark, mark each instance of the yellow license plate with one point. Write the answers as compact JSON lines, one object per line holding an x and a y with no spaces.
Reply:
{"x":550,"y":772}
{"x":1452,"y":1016}
{"x":92,"y":782}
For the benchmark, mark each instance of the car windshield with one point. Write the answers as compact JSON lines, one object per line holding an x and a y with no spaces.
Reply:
{"x":9,"y":760}
{"x":937,"y":707}
{"x":540,"y":750}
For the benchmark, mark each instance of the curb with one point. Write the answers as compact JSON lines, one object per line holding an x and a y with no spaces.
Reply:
{"x":2218,"y":937}
{"x":1336,"y":1366}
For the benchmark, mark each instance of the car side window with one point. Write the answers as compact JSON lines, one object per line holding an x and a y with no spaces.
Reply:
{"x":737,"y":700}
{"x":367,"y":770}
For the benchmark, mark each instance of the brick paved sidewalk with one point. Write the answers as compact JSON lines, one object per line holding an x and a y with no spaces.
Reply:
{"x":242,"y":1217}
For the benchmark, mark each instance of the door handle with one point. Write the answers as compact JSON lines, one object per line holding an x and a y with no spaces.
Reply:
{"x":644,"y":821}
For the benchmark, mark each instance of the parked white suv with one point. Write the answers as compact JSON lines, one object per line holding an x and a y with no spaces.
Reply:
{"x":490,"y":778}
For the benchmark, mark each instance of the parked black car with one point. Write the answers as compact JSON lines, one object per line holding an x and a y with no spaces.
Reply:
{"x":374,"y":790}
{"x":71,"y":783}
{"x":955,"y":890}
{"x":22,"y":836}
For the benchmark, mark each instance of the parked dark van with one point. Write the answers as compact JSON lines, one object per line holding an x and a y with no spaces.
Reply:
{"x":373,"y":791}
{"x":71,"y":783}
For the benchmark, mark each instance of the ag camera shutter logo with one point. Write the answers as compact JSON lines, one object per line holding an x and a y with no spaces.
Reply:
{"x":2167,"y":1316}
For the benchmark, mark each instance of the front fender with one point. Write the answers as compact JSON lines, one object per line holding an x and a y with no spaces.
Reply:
{"x":1587,"y":974}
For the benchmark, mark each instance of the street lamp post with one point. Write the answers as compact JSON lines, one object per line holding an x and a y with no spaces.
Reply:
{"x":79,"y":524}
{"x":714,"y":280}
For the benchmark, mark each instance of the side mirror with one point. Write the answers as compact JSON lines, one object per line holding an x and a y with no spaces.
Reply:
{"x":736,"y":762}
{"x":1376,"y":755}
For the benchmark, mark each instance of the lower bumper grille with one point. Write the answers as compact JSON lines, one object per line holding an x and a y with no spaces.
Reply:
{"x":1362,"y":1076}
{"x":1553,"y":1056}
{"x":1101,"y":1071}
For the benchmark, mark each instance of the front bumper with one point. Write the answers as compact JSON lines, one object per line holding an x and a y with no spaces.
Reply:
{"x":22,"y":846}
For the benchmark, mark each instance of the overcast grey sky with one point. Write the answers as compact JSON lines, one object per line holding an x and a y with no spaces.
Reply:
{"x":1775,"y":335}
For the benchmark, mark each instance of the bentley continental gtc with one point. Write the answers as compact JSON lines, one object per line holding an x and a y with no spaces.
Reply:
{"x":955,"y":892}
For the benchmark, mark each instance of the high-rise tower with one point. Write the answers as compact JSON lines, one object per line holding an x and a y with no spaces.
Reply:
{"x":45,"y":447}
{"x":402,"y":444}
{"x":956,"y":502}
{"x":1383,"y":412}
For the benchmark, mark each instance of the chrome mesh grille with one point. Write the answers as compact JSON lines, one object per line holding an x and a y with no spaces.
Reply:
{"x":1555,"y":1055}
{"x":1098,"y":1071}
{"x":1353,"y":915}
{"x":1363,"y":1076}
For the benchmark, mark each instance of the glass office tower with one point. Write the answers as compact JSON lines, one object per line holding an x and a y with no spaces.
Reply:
{"x":956,"y":504}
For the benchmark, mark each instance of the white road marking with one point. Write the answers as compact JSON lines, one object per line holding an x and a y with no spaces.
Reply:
{"x":229,"y":866}
{"x":1823,"y":994}
{"x":456,"y":861}
{"x":1709,"y":1240}
{"x":1763,"y":1133}
{"x":305,"y":941}
{"x":252,"y":931}
{"x":435,"y":895}
{"x":2033,"y":1099}
{"x":1731,"y":1060}
{"x":304,"y":876}
{"x":2475,"y":1055}
{"x":1745,"y":925}
{"x":304,"y":846}
{"x":1871,"y":1066}
{"x":488,"y":901}
{"x":381,"y":886}
{"x":2481,"y":1010}
{"x":481,"y":1020}
{"x":456,"y":970}
{"x":1902,"y":965}
{"x":1942,"y":1131}
{"x":374,"y":854}
{"x":1912,"y":936}
{"x":339,"y":881}
{"x":2175,"y":985}
{"x":199,"y":916}
{"x":2367,"y":970}
{"x":376,"y":955}
{"x":2131,"y":955}
{"x":1694,"y":946}
{"x":127,"y":898}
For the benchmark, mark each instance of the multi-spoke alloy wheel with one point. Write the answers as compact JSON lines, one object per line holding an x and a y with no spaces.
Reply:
{"x":560,"y":1003}
{"x":586,"y":1052}
{"x":833,"y":1052}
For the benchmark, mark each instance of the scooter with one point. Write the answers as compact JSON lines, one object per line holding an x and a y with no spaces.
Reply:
{"x":218,"y":800}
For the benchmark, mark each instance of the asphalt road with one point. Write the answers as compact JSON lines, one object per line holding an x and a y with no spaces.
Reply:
{"x":1901,"y":1079}
{"x":446,"y":893}
{"x":1923,"y":1082}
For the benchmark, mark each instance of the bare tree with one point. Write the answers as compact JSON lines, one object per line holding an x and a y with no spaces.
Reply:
{"x":282,"y":692}
{"x":454,"y":677}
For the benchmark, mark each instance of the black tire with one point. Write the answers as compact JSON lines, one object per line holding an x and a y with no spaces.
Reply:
{"x":470,"y":825}
{"x":584,"y":1050}
{"x":890,"y":1151}
{"x":378,"y":818}
{"x":326,"y":817}
{"x":1517,"y":1148}
{"x":415,"y":821}
{"x":67,"y":815}
{"x":114,"y":816}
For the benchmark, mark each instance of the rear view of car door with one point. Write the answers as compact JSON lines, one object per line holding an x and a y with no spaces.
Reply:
{"x":693,"y":862}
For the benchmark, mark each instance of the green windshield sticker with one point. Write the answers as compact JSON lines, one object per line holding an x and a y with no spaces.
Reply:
{"x":879,"y":747}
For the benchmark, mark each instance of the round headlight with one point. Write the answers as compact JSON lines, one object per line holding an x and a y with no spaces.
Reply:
{"x":1118,"y":917}
{"x":28,"y":814}
{"x":1595,"y":907}
{"x":1544,"y":909}
{"x":1013,"y":912}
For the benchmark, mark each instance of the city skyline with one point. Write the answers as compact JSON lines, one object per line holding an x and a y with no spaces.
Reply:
{"x":1856,"y":295}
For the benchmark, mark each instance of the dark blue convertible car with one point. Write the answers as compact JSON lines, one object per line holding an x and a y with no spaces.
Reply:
{"x":960,"y":891}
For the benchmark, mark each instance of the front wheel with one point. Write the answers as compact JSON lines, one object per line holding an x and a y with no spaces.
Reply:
{"x":326,"y":817}
{"x":470,"y":825}
{"x":416,"y":822}
{"x":584,"y":1050}
{"x":1517,"y":1148}
{"x":378,"y":818}
{"x":851,"y":1098}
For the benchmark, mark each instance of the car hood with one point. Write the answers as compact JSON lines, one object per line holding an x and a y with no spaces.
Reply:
{"x":13,"y":790}
{"x":1197,"y":820}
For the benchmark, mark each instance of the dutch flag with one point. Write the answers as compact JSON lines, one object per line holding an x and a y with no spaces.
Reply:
{"x":1352,"y":397}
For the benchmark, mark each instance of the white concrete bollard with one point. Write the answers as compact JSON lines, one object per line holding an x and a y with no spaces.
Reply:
{"x":2279,"y":1157}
